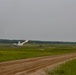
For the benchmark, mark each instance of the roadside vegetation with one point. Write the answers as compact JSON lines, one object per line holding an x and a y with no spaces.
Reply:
{"x":69,"y":68}
{"x":9,"y":52}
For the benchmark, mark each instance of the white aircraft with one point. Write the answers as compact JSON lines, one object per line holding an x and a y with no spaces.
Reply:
{"x":20,"y":44}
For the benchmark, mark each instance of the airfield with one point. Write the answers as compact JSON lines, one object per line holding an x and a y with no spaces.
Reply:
{"x":30,"y":59}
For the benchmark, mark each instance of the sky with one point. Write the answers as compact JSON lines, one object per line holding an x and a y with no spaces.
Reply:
{"x":48,"y":20}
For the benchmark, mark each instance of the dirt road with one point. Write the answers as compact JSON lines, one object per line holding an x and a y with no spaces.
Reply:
{"x":28,"y":66}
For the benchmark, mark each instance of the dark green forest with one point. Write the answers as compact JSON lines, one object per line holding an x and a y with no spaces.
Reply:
{"x":7,"y":41}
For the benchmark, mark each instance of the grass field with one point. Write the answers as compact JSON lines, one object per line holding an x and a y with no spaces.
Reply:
{"x":8,"y":52}
{"x":69,"y":68}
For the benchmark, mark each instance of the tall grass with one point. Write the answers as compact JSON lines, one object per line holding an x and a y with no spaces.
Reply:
{"x":69,"y":68}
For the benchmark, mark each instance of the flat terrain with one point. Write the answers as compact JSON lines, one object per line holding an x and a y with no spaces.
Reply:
{"x":9,"y":52}
{"x":31,"y":65}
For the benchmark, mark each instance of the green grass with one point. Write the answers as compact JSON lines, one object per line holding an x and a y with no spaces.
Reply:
{"x":8,"y":52}
{"x":69,"y":68}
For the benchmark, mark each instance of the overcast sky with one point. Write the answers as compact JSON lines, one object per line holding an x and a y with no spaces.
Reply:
{"x":48,"y":20}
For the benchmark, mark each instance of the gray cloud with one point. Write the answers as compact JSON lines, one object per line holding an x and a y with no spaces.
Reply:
{"x":38,"y":19}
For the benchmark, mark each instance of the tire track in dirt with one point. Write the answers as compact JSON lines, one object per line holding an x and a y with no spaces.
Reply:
{"x":28,"y":66}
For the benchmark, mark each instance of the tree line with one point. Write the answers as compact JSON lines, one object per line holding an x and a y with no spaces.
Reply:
{"x":7,"y":41}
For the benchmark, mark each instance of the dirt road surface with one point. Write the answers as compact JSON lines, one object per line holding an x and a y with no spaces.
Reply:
{"x":29,"y":66}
